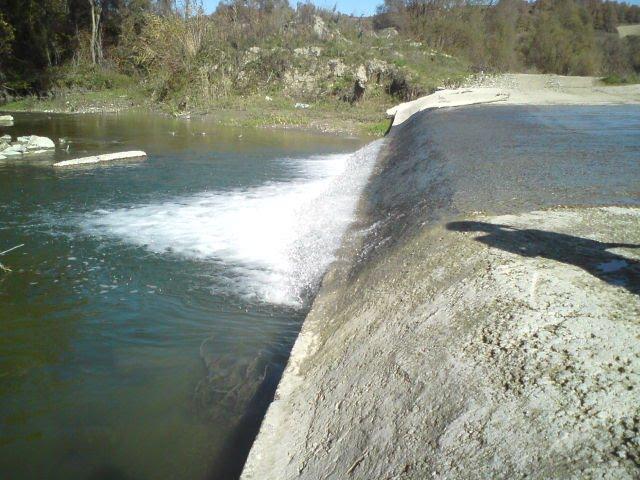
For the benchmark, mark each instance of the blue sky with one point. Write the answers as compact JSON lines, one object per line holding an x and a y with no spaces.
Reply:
{"x":358,"y":7}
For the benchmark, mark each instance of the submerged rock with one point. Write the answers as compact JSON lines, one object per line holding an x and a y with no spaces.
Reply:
{"x":228,"y":391}
{"x":107,"y":157}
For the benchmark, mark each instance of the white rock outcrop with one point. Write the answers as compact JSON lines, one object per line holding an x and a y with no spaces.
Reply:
{"x":320,"y":28}
{"x":308,"y":51}
{"x":337,"y":67}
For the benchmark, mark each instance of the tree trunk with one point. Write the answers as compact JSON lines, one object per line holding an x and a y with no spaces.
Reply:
{"x":96,"y":38}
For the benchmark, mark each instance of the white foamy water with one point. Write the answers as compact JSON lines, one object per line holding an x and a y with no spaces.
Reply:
{"x":273,"y":241}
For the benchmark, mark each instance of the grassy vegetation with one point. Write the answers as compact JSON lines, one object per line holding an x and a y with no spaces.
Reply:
{"x":621,"y":79}
{"x":253,"y":111}
{"x":251,"y":62}
{"x":260,"y":85}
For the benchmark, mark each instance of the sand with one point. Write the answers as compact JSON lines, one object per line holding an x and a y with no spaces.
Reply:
{"x":522,"y":89}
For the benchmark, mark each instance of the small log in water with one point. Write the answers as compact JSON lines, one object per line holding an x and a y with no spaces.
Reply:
{"x":109,"y":157}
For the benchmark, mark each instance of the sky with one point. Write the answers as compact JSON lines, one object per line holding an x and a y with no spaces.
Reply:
{"x":357,"y":7}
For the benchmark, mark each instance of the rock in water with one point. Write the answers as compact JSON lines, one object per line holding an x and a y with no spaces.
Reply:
{"x":15,"y":149}
{"x":34,"y":142}
{"x":108,"y":157}
{"x":6,"y":119}
{"x":226,"y":394}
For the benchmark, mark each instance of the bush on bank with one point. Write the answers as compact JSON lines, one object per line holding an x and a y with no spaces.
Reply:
{"x":184,"y":59}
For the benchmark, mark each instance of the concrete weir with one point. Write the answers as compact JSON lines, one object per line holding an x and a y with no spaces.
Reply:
{"x":482,"y":320}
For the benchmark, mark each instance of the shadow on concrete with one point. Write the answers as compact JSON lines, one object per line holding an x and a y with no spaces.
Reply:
{"x":590,"y":255}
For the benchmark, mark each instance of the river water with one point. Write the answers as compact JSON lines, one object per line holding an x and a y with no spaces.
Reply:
{"x":152,"y":309}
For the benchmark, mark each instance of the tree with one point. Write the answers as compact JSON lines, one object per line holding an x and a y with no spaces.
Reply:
{"x":563,"y":40}
{"x":96,"y":37}
{"x":7,"y":36}
{"x":502,"y":34}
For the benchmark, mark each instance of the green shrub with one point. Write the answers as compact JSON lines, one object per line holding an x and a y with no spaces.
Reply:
{"x":616,"y":79}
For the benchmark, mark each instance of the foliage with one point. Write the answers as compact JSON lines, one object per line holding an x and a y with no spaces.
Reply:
{"x":555,"y":36}
{"x":186,"y":60}
{"x":616,"y":79}
{"x":563,"y":40}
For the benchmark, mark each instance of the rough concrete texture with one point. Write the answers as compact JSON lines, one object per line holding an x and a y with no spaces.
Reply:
{"x":492,"y":347}
{"x":522,"y":89}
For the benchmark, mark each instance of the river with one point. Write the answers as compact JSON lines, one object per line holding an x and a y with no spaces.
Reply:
{"x":153,"y":306}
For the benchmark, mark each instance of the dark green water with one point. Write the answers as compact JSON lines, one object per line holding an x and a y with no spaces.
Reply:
{"x":151,"y":311}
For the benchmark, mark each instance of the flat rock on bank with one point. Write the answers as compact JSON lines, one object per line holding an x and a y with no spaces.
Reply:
{"x":490,"y":347}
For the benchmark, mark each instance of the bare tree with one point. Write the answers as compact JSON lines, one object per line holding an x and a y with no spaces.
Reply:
{"x":96,"y":37}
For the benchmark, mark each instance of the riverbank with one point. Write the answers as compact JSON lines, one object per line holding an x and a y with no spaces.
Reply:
{"x":452,"y":343}
{"x":522,"y":89}
{"x":256,"y":111}
{"x":330,"y":115}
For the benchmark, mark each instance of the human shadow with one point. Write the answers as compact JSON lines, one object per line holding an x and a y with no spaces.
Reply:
{"x":590,"y":255}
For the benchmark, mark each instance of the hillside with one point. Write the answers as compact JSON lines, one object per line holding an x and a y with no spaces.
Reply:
{"x":267,"y":63}
{"x":336,"y":79}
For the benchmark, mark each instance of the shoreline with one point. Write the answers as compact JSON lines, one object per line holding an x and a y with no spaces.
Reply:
{"x":258,"y":112}
{"x":501,"y":89}
{"x":391,"y":378}
{"x":522,"y":89}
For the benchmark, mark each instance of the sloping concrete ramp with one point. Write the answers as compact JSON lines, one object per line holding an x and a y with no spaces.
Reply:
{"x":458,"y":344}
{"x":109,"y":157}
